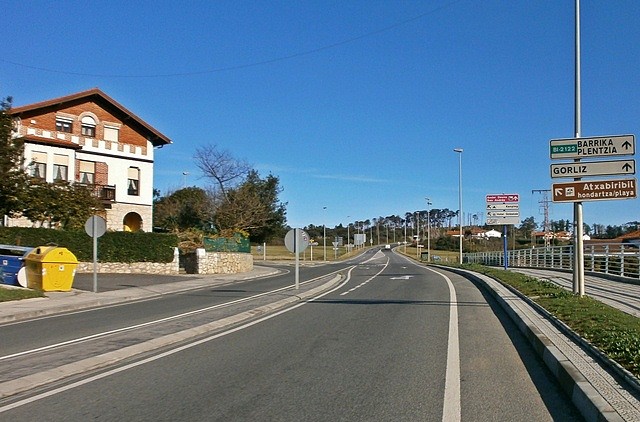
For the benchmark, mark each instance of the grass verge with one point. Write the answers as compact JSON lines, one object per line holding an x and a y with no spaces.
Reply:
{"x":615,"y":333}
{"x":7,"y":294}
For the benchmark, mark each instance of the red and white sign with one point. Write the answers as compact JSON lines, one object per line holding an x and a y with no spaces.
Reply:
{"x":504,"y":197}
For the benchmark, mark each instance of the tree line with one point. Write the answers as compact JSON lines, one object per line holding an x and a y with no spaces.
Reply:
{"x":440,"y":221}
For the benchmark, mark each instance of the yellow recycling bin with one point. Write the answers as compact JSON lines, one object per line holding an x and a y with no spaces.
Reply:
{"x":50,"y":268}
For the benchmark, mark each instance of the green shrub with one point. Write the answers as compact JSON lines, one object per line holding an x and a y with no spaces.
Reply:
{"x":112,"y":246}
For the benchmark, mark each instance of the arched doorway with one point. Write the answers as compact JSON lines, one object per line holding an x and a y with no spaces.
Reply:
{"x":132,"y":222}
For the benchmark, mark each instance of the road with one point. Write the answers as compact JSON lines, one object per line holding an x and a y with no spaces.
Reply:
{"x":387,"y":344}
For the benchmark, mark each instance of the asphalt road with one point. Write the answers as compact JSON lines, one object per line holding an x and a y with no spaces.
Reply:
{"x":388,"y":345}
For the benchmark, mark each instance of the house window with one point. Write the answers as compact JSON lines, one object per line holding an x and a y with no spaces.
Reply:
{"x":87,"y":172}
{"x":133,"y":183}
{"x":38,"y":165}
{"x":111,"y":133}
{"x":88,"y":127}
{"x":64,"y":125}
{"x":60,"y":167}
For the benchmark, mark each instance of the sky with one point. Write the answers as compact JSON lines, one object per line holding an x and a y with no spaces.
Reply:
{"x":356,"y":106}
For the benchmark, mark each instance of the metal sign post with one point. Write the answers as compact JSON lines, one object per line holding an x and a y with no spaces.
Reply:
{"x":296,"y":241}
{"x":95,"y":227}
{"x":504,"y":247}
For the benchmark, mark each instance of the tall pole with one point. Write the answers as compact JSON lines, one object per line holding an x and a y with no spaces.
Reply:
{"x":578,"y":241}
{"x":459,"y":151}
{"x":324,"y":232}
{"x":405,"y":234}
{"x":417,"y":234}
{"x":428,"y":229}
{"x":348,"y":225}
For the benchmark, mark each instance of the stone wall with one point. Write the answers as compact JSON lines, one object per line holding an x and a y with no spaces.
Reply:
{"x":199,"y":262}
{"x":169,"y":268}
{"x":202,"y":262}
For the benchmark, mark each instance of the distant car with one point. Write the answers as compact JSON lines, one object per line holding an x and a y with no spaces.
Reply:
{"x":386,"y":248}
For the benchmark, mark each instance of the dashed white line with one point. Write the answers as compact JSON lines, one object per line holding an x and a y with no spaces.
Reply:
{"x":366,"y":281}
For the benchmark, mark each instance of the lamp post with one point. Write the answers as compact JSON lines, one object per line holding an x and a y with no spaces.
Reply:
{"x":428,"y":229}
{"x":324,"y":233}
{"x":387,"y":227}
{"x":405,"y":233}
{"x":418,"y":235}
{"x":459,"y":151}
{"x":348,"y":224}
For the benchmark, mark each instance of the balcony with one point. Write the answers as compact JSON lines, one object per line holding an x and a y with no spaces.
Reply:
{"x":105,"y":193}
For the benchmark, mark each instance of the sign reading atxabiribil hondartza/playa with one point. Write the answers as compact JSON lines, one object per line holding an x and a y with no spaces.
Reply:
{"x":595,"y":190}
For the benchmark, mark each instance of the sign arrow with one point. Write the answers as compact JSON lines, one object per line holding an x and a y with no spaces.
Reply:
{"x":558,"y":192}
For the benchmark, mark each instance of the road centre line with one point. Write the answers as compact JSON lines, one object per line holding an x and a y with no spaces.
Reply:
{"x":157,"y":321}
{"x":366,"y":281}
{"x":168,"y":352}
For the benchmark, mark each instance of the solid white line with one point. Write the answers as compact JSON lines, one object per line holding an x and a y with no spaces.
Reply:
{"x":164,"y":354}
{"x":451,"y":410}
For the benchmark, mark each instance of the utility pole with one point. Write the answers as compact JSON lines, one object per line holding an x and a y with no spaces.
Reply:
{"x":544,"y":203}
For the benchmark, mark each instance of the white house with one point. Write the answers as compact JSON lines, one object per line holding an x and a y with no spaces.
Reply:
{"x":492,"y":233}
{"x":90,"y":138}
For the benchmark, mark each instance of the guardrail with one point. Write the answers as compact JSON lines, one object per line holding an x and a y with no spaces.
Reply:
{"x":619,"y":259}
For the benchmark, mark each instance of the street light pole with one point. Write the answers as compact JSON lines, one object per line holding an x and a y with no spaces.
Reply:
{"x":348,"y":242}
{"x":417,"y":234}
{"x":324,"y":233}
{"x":428,"y":229}
{"x":405,"y":234}
{"x":459,"y":151}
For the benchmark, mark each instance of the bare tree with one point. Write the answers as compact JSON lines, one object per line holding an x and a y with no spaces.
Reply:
{"x":226,"y":171}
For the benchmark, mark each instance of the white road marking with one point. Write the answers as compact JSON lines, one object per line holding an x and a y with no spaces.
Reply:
{"x":164,"y":354}
{"x":366,"y":281}
{"x":145,"y":324}
{"x":451,"y":411}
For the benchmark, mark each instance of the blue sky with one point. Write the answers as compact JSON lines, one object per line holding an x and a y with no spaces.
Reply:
{"x":355,"y":105}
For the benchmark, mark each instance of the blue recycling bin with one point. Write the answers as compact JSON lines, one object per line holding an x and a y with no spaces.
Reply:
{"x":12,"y":260}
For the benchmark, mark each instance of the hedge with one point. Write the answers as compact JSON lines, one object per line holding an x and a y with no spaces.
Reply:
{"x":112,"y":246}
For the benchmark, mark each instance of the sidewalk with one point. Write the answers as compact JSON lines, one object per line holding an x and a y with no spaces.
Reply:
{"x":118,"y":288}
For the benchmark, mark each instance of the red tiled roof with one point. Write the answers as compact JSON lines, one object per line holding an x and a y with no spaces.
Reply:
{"x":158,"y":139}
{"x":632,"y":235}
{"x":51,"y":141}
